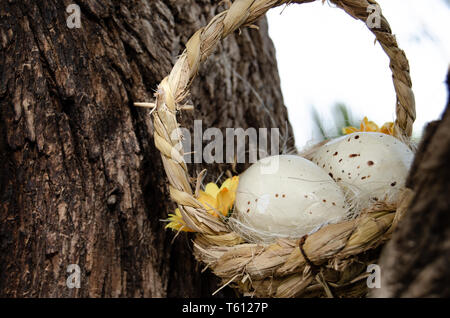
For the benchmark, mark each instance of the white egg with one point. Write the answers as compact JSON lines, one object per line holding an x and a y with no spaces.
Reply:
{"x":372,"y":166}
{"x":286,"y":196}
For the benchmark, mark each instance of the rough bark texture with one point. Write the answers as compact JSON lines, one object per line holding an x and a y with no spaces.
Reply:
{"x":416,"y":262}
{"x":81,"y":181}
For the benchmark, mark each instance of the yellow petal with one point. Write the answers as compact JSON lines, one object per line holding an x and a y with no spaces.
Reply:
{"x":226,"y":184}
{"x":234,"y":184}
{"x":230,"y":183}
{"x":371,"y":126}
{"x":178,"y":227}
{"x":209,"y":202}
{"x":388,"y":128}
{"x":225,"y":200}
{"x":363,"y":123}
{"x":177,"y":223}
{"x":349,"y":130}
{"x":367,"y":125}
{"x":212,"y":189}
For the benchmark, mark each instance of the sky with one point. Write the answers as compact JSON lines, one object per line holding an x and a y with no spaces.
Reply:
{"x":325,"y":56}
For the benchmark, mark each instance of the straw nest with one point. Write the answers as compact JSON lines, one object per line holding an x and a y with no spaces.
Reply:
{"x":329,"y":262}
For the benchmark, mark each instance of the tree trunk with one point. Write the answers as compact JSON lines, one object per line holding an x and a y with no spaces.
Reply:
{"x":416,"y":262}
{"x":81,"y":181}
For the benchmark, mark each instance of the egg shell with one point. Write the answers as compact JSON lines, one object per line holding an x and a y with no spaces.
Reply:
{"x":371,"y":165}
{"x":287,"y":196}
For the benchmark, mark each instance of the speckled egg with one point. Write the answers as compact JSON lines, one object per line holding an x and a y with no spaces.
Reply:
{"x":286,"y":196}
{"x":372,"y":166}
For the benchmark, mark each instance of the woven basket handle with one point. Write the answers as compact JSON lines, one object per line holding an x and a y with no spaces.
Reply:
{"x":174,"y":88}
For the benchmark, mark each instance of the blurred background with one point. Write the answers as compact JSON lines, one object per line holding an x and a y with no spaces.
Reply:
{"x":333,"y":74}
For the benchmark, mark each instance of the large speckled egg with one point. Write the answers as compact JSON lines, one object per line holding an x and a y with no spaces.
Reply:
{"x":370,"y":166}
{"x":286,"y":196}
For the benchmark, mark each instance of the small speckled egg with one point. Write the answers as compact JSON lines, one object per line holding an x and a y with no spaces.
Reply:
{"x":286,"y":196}
{"x":372,"y":166}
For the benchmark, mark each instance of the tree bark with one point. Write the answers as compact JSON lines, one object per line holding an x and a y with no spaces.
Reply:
{"x":416,"y":262}
{"x":81,"y":181}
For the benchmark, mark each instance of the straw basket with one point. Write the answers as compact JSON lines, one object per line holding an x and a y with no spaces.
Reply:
{"x":332,"y":261}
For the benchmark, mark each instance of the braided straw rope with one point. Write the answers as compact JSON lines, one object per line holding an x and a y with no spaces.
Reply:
{"x":285,"y":268}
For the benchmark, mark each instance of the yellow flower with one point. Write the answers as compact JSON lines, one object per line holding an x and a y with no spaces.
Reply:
{"x":366,"y":125}
{"x":215,"y":200}
{"x":219,"y":200}
{"x":177,"y":223}
{"x":388,"y":128}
